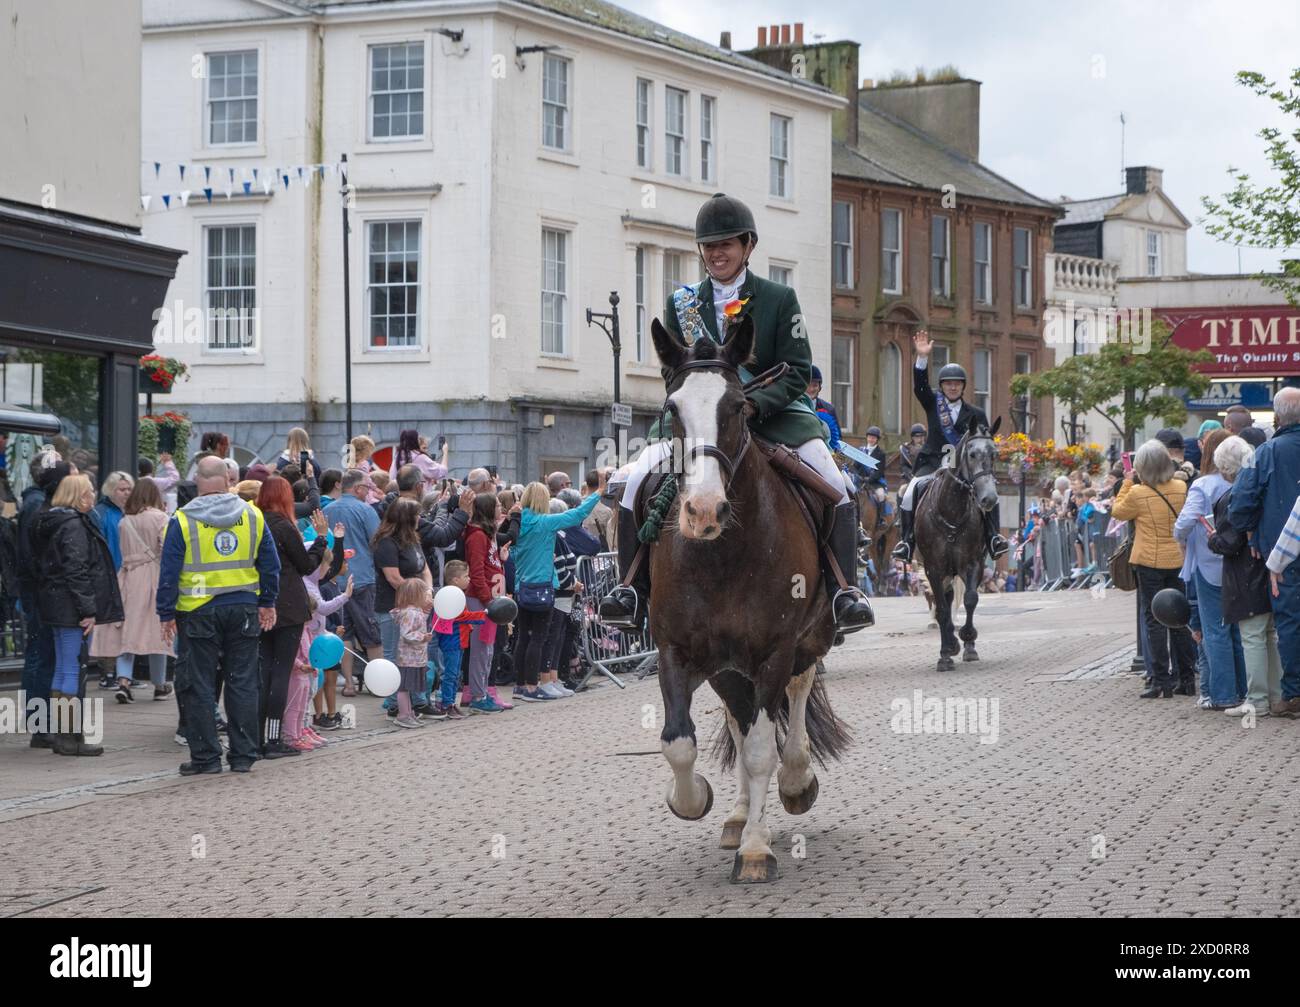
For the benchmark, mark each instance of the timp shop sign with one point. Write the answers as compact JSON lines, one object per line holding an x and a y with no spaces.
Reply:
{"x":1243,"y":340}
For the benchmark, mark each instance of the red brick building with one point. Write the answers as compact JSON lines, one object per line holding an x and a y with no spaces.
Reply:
{"x":923,"y":235}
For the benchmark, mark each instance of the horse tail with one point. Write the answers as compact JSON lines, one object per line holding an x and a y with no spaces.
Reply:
{"x":724,"y":747}
{"x":828,"y":736}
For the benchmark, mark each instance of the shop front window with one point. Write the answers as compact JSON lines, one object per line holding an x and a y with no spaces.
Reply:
{"x":65,"y":384}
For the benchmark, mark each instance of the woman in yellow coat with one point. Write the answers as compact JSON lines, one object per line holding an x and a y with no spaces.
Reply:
{"x":1151,"y":497}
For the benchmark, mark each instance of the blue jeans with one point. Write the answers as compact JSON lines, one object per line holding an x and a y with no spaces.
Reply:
{"x":38,"y":653}
{"x":1286,"y":617}
{"x":1222,"y":642}
{"x":449,"y":644}
{"x":67,"y":660}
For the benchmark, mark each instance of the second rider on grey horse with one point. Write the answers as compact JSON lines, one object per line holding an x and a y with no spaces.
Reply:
{"x":949,"y":419}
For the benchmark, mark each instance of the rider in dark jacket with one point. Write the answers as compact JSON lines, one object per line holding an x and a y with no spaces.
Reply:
{"x":909,"y":452}
{"x":949,"y":419}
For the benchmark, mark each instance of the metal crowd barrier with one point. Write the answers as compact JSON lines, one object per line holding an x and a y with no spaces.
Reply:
{"x":603,"y":647}
{"x":1059,"y":561}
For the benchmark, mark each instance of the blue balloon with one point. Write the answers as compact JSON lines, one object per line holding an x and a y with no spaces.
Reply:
{"x":326,"y":651}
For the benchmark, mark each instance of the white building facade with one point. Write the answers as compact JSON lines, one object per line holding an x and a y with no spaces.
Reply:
{"x":511,"y":164}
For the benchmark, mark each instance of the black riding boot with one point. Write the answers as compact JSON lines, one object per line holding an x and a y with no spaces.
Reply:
{"x":850,"y":606}
{"x":997,"y":545}
{"x":626,"y":607}
{"x":905,"y":545}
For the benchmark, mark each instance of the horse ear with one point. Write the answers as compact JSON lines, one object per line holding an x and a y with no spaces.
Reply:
{"x":739,"y":346}
{"x":996,"y":423}
{"x":672,"y":351}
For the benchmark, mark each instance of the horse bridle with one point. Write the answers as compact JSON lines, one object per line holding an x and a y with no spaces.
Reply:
{"x":726,"y":462}
{"x":955,"y":471}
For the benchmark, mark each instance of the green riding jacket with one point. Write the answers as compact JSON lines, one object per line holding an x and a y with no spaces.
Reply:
{"x":785,"y":414}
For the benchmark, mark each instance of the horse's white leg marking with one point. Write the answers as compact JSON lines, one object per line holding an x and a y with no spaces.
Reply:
{"x":795,"y":774}
{"x":760,"y":758}
{"x":740,"y":813}
{"x":684,"y":796}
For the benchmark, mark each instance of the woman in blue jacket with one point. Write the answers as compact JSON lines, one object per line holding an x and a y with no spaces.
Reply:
{"x":536,"y":581}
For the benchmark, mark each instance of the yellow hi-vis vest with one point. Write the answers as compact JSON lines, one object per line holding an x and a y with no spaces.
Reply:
{"x":218,"y":560}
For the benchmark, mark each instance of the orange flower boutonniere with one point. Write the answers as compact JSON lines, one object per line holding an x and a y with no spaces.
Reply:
{"x":732,"y":308}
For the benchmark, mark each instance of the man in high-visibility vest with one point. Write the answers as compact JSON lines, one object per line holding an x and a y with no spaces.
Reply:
{"x":216,"y":594}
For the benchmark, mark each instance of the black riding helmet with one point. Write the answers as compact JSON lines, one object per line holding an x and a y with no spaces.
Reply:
{"x":723,"y":217}
{"x":874,"y":432}
{"x":952,"y":372}
{"x":917,"y":428}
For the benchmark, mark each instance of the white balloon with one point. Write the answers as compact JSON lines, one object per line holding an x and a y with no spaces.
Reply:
{"x":382,"y":677}
{"x":449,"y":602}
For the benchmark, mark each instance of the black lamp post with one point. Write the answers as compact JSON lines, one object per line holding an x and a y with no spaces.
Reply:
{"x":608,"y":322}
{"x":347,"y":302}
{"x":1020,"y":415}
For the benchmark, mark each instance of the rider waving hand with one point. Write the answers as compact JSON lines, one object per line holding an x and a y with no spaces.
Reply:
{"x":948,"y":417}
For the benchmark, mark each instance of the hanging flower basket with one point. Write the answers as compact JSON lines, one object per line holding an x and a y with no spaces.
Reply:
{"x":1019,"y":453}
{"x":159,"y":373}
{"x":167,"y":432}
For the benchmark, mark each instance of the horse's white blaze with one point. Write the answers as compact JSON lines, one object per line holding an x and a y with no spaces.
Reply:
{"x":795,"y":774}
{"x":760,"y":758}
{"x":684,"y":796}
{"x":697,"y":406}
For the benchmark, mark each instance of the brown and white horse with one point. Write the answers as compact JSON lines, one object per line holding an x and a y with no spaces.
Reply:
{"x":737,"y":601}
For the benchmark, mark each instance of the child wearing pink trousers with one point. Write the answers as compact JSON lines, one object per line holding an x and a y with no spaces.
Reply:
{"x":304,"y":681}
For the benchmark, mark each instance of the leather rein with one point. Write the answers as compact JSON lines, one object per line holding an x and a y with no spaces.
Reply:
{"x":967,"y":485}
{"x":727,"y":463}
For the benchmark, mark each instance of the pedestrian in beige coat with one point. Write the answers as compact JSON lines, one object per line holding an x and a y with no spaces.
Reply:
{"x":141,"y":535}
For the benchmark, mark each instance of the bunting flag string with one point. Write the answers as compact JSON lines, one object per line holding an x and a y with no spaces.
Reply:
{"x":252,"y":179}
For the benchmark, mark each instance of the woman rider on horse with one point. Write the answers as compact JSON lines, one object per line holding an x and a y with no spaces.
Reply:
{"x":949,"y":419}
{"x":725,"y":236}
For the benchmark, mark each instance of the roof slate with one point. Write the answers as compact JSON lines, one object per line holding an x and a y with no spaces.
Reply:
{"x":894,"y":152}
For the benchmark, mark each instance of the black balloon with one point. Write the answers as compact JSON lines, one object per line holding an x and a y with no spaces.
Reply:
{"x":1171,"y":608}
{"x":502,"y":610}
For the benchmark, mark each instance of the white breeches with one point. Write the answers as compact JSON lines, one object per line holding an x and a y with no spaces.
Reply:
{"x":910,"y":493}
{"x":814,"y":452}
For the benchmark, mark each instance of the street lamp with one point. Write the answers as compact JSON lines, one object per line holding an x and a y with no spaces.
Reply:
{"x":1020,"y":415}
{"x":608,"y":322}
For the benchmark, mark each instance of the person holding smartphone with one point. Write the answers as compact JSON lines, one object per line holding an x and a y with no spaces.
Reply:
{"x":1204,"y":568}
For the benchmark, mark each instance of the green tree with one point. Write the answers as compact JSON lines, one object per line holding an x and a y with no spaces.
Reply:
{"x":1124,"y":384}
{"x":1267,"y":216}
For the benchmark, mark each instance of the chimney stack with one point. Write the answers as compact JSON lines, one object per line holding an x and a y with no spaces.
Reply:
{"x":773,"y":33}
{"x":1142,"y":179}
{"x":798,"y":33}
{"x":725,"y":42}
{"x":762,"y":36}
{"x":785,"y":34}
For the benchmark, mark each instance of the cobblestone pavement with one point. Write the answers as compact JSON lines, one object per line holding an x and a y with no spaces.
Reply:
{"x":1089,"y":802}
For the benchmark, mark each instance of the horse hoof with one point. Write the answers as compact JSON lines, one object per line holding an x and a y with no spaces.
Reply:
{"x":946,"y":664}
{"x":700,"y":781}
{"x":754,"y":869}
{"x":800,"y":803}
{"x":970,"y":655}
{"x":731,"y":835}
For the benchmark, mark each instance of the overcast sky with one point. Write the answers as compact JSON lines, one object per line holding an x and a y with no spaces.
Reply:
{"x":1047,"y":122}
